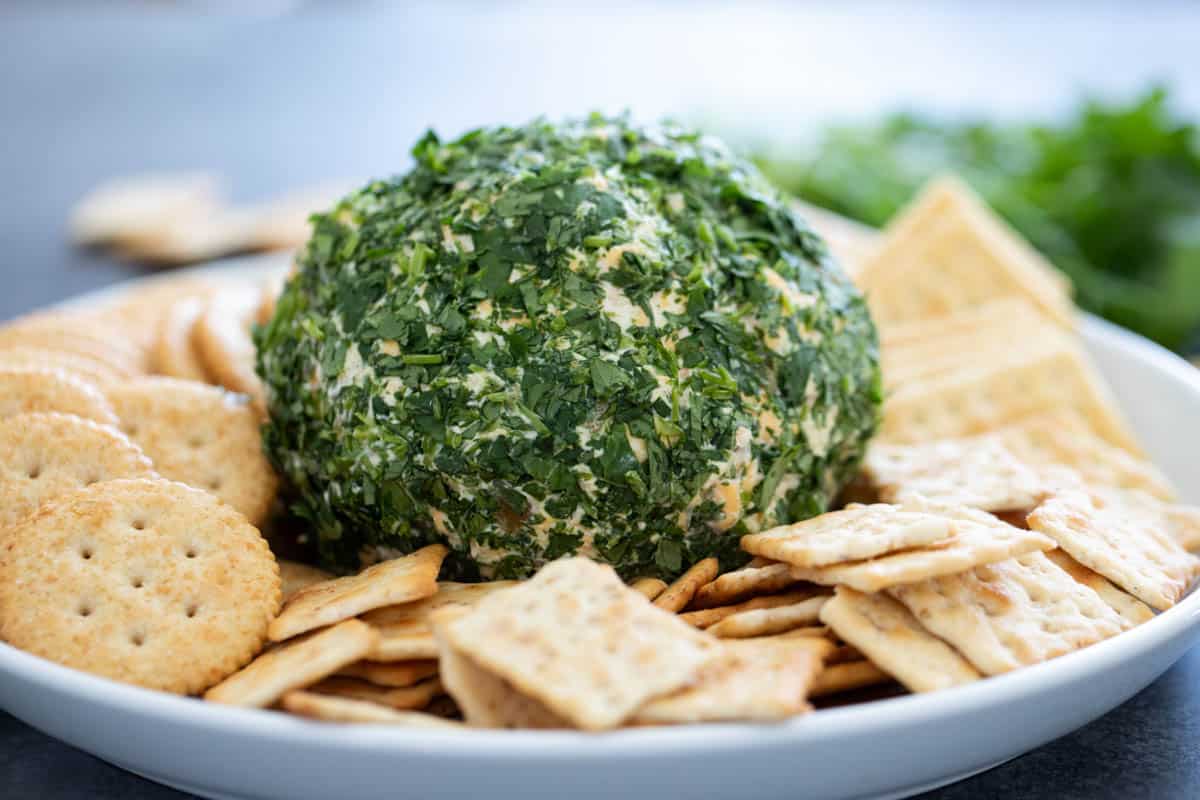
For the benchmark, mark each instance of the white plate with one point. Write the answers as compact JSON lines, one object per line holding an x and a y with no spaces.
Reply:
{"x":888,"y":748}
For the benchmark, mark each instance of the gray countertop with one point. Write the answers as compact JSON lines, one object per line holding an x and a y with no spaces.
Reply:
{"x":300,"y":93}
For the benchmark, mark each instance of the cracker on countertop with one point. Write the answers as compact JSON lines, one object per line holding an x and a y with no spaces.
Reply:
{"x":143,"y":581}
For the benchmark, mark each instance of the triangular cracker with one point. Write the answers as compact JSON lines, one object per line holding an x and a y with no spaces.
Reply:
{"x":886,"y":633}
{"x":1123,"y":535}
{"x":754,"y":679}
{"x":1011,"y":614}
{"x":979,"y":538}
{"x":577,"y":639}
{"x":948,"y":251}
{"x":400,"y":580}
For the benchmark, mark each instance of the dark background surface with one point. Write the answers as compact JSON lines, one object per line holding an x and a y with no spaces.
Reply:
{"x":296,"y":93}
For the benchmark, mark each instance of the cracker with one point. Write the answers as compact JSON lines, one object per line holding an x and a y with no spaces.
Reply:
{"x":1063,"y":438}
{"x":740,"y":584}
{"x":488,"y":701}
{"x":999,"y":392}
{"x":575,"y":638}
{"x":200,"y":435}
{"x":707,"y":617}
{"x":1185,"y":525}
{"x":192,"y":239}
{"x":328,"y":708}
{"x":979,"y":538}
{"x":143,"y":581}
{"x":221,"y":336}
{"x":173,"y":353}
{"x":847,"y":677}
{"x":1125,"y":537}
{"x":1133,"y":610}
{"x":299,"y":576}
{"x":83,"y":367}
{"x":406,"y":698}
{"x":43,"y":456}
{"x":849,"y":241}
{"x":295,"y":665}
{"x":947,"y":251}
{"x":676,"y":596}
{"x":767,"y":621}
{"x":401,"y":580}
{"x":979,"y":472}
{"x":852,"y":534}
{"x":1011,"y":614}
{"x":83,"y":334}
{"x":405,"y":631}
{"x":27,"y":390}
{"x":133,"y":208}
{"x":890,"y":637}
{"x":754,"y":679}
{"x":651,"y":587}
{"x":395,"y":675}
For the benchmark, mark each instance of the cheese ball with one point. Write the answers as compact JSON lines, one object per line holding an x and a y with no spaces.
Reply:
{"x":583,"y":338}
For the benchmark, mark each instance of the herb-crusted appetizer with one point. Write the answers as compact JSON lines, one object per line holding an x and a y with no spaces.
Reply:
{"x":584,"y":338}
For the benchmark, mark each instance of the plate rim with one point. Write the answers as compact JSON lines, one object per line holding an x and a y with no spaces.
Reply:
{"x":638,"y":743}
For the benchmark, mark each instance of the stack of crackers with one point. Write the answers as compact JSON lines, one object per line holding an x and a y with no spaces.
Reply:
{"x":1004,"y":516}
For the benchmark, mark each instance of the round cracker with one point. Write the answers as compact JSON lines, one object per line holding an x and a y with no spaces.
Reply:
{"x":43,"y":456}
{"x":141,"y":313}
{"x":85,"y":367}
{"x":222,"y":338}
{"x":173,"y":353}
{"x":83,"y":333}
{"x":24,"y":390}
{"x":202,"y":435}
{"x":148,"y":582}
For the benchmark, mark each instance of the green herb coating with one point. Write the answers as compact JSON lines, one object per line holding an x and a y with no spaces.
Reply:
{"x":585,"y":338}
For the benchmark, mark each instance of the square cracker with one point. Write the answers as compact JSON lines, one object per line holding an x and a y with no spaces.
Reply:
{"x":488,"y":701}
{"x":581,"y":642}
{"x":1063,"y":438}
{"x":979,"y":472}
{"x":947,"y":251}
{"x":406,"y":630}
{"x":978,"y":538}
{"x":1133,"y":610}
{"x":1011,"y":614}
{"x":1001,"y":391}
{"x":886,"y":633}
{"x":753,"y":679}
{"x":1123,"y":535}
{"x":854,"y":533}
{"x":400,"y":580}
{"x":295,"y":665}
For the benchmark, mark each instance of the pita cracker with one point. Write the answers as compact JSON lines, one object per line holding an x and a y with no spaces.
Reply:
{"x":978,"y":472}
{"x":710,"y":616}
{"x":947,"y":251}
{"x":754,"y":679}
{"x":651,"y":587}
{"x":740,"y":584}
{"x":328,"y":708}
{"x":401,"y":580}
{"x":1011,"y":614}
{"x":295,"y":665}
{"x":578,"y":640}
{"x":852,"y":534}
{"x":1133,"y":610}
{"x":1124,"y":536}
{"x":890,"y":637}
{"x":406,"y":630}
{"x":997,"y":393}
{"x":847,"y":677}
{"x":979,"y":538}
{"x":405,"y":698}
{"x":768,"y":621}
{"x":677,"y":596}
